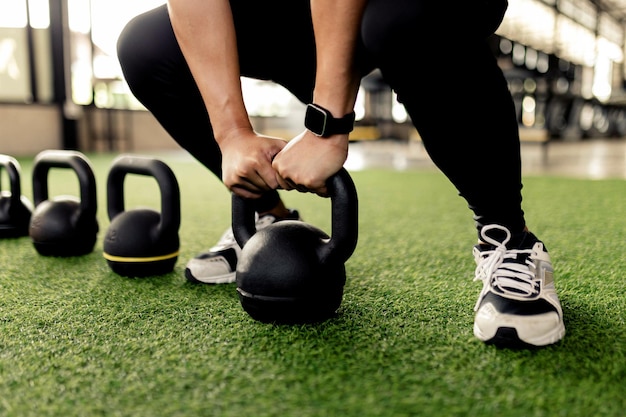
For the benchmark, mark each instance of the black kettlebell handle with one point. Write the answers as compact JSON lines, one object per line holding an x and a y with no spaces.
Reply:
{"x":74,"y":160}
{"x":344,"y":221}
{"x":11,"y":166}
{"x":165,"y":178}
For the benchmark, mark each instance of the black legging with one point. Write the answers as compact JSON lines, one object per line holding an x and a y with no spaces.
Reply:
{"x":417,"y":45}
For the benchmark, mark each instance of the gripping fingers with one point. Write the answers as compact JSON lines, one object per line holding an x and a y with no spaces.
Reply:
{"x":246,"y":187}
{"x":288,"y":184}
{"x":284,"y":184}
{"x":242,"y":192}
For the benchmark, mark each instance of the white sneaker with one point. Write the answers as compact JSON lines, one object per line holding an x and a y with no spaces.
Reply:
{"x":518,"y":305}
{"x":218,"y":264}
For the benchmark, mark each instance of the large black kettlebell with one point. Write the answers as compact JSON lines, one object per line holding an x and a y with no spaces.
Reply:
{"x":291,"y":271}
{"x":15,"y":209}
{"x":142,"y":242}
{"x":64,"y":225}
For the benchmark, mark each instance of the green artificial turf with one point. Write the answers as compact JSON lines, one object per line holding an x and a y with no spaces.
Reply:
{"x":78,"y":340}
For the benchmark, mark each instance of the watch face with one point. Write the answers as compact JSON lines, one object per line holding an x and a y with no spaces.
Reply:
{"x":315,"y":120}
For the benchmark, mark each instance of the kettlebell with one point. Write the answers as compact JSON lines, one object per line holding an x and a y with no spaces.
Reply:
{"x":291,"y":272}
{"x":142,"y":242}
{"x":64,"y":225}
{"x":15,"y":209}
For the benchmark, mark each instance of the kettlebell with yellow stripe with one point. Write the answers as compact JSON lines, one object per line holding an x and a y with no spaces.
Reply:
{"x":142,"y":242}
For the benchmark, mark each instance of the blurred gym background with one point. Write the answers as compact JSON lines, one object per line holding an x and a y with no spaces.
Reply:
{"x":61,"y":86}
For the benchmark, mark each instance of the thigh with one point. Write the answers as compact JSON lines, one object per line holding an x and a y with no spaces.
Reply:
{"x":274,"y":39}
{"x":276,"y":42}
{"x":446,"y":20}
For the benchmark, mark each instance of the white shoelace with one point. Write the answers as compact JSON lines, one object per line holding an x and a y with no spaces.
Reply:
{"x":265,"y":221}
{"x":512,"y":278}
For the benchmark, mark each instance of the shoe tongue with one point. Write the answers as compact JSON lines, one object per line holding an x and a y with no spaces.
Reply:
{"x":268,"y":218}
{"x":524,"y":240}
{"x":265,"y":221}
{"x":520,"y":240}
{"x":498,"y":235}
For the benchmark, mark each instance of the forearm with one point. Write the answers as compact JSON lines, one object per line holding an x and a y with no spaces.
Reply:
{"x":206,"y":34}
{"x":308,"y":161}
{"x":336,"y":24}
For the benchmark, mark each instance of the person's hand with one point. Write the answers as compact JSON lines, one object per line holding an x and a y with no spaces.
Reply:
{"x":308,"y":161}
{"x":247,"y":162}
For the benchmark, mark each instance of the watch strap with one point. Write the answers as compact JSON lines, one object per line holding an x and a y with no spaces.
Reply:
{"x":321,"y":122}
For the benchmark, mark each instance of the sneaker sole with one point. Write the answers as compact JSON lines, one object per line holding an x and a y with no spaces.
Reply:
{"x":218,"y":279}
{"x":507,"y":337}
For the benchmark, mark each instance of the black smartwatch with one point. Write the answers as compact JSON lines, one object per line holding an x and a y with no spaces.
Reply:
{"x":322,"y":123}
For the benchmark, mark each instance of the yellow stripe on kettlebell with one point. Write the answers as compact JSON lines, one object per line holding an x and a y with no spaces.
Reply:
{"x":114,"y":258}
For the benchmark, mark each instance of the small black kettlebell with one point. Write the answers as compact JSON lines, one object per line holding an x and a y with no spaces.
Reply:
{"x":15,"y":209}
{"x":142,"y":242}
{"x":64,"y":225}
{"x":292,"y":272}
